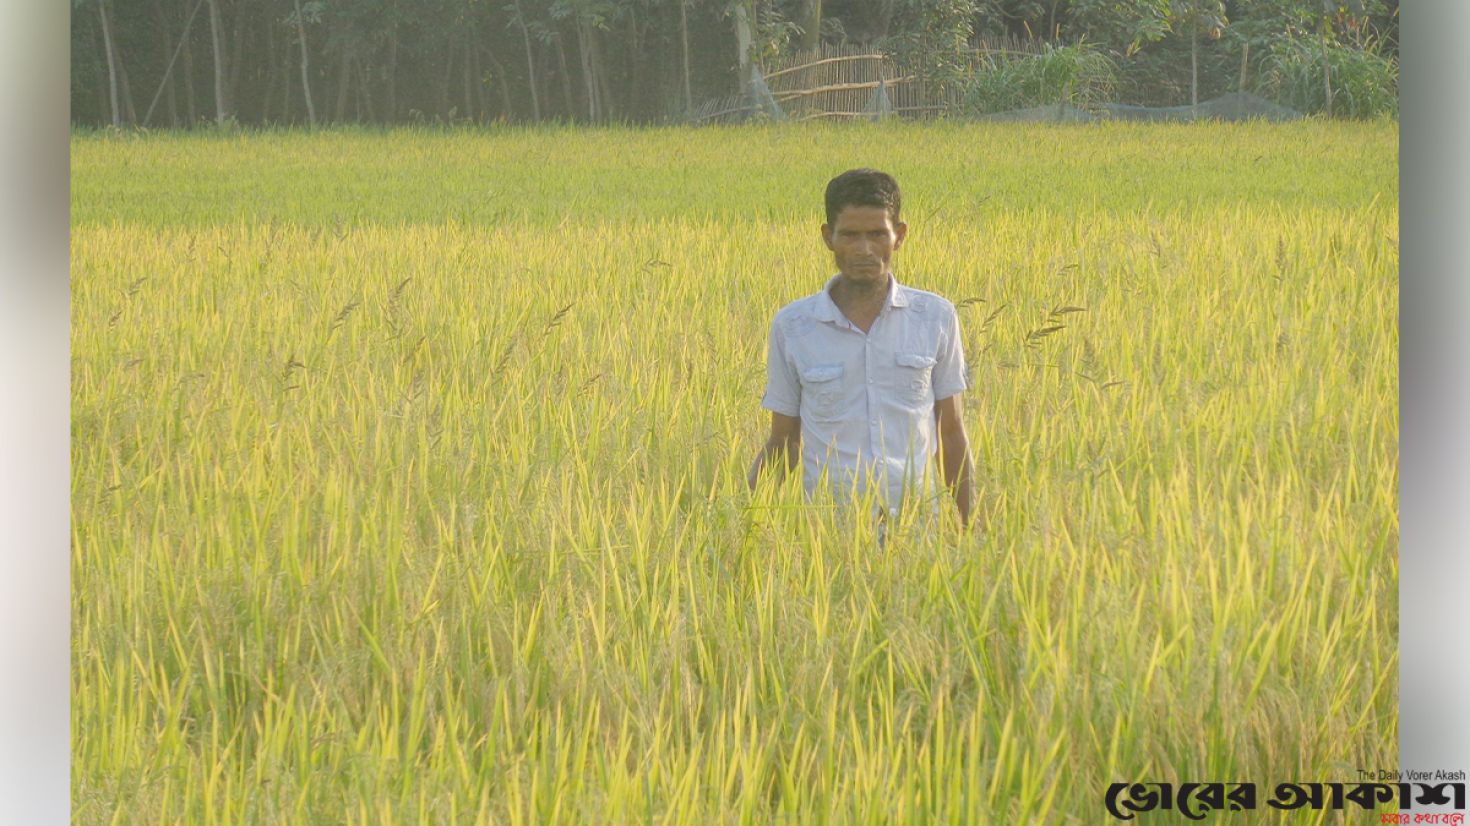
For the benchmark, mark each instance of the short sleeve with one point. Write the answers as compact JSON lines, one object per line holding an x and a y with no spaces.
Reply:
{"x":783,"y":388}
{"x":951,"y":375}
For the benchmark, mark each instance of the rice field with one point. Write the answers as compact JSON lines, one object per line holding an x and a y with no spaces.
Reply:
{"x":408,"y":477}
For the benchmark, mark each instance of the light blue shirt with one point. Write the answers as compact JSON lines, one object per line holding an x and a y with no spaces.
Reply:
{"x":866,"y":400}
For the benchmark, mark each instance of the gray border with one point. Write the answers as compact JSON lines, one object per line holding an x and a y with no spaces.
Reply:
{"x":35,"y":558}
{"x":1434,"y":399}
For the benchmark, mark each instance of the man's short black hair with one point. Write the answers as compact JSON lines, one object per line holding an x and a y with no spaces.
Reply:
{"x":862,"y":187}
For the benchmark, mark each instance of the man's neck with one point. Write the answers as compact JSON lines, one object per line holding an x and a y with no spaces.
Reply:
{"x":846,"y":293}
{"x":860,"y":304}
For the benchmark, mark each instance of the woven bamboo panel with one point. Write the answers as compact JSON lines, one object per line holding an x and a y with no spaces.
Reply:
{"x":839,"y":82}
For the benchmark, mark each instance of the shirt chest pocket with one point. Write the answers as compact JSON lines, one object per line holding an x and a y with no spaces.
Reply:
{"x":821,"y":391}
{"x":912,"y":375}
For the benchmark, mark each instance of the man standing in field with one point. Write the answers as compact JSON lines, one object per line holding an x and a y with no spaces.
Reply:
{"x":864,"y":377}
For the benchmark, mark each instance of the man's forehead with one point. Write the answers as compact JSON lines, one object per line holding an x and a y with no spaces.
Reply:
{"x":862,"y":216}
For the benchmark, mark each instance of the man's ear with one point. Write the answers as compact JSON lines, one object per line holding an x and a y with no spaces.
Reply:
{"x":827,"y":236}
{"x":900,"y":231}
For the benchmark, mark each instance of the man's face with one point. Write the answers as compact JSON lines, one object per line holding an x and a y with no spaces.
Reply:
{"x":862,"y":241}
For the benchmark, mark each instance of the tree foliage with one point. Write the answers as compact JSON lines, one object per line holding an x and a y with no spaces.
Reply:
{"x":391,"y":61}
{"x":1079,"y":75}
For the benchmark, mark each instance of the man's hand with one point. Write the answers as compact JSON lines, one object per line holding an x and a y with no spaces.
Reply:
{"x":784,"y":446}
{"x":954,"y":456}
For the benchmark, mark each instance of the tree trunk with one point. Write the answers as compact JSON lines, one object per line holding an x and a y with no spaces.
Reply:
{"x":469,"y":89}
{"x":360,"y":110}
{"x":546,"y":71}
{"x":566,"y":76}
{"x":530,"y":62}
{"x":344,"y":84}
{"x":743,"y":40}
{"x":126,"y":113}
{"x":684,"y":40}
{"x":1193,"y":69}
{"x":392,"y":102}
{"x":190,"y":97}
{"x":589,"y":83}
{"x":121,"y":93}
{"x":475,"y":95}
{"x":217,"y":35}
{"x":168,"y":82}
{"x":271,"y":64}
{"x":280,"y":94}
{"x":606,"y":101}
{"x":811,"y":25}
{"x":1245,"y":56}
{"x":104,"y":114}
{"x":305,"y":72}
{"x":1326,"y":69}
{"x":482,"y":97}
{"x":287,"y":64}
{"x":116,"y":109}
{"x":237,"y":59}
{"x":130,"y":115}
{"x":443,"y":107}
{"x":502,"y":82}
{"x":885,"y":19}
{"x":635,"y":76}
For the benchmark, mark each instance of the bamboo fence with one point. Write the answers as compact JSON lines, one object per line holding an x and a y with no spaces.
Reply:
{"x":839,"y":82}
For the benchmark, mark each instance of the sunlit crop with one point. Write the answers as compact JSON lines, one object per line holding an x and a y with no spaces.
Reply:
{"x":408,"y":477}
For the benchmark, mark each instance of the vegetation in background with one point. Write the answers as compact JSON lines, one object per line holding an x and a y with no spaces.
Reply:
{"x":1077,"y":75}
{"x":408,"y":476}
{"x":186,"y":63}
{"x":1364,"y":83}
{"x":936,"y":44}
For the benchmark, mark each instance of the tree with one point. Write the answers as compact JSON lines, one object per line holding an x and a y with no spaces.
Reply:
{"x":588,"y":18}
{"x":1121,"y":26}
{"x":216,"y":36}
{"x":168,"y":70}
{"x":388,"y":60}
{"x":299,"y":17}
{"x":1280,"y":22}
{"x":744,"y":40}
{"x":933,"y":36}
{"x":518,"y":16}
{"x":112,"y":63}
{"x":684,"y":50}
{"x":1197,"y":17}
{"x":811,"y":25}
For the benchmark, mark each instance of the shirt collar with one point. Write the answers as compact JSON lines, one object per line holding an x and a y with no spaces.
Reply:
{"x":827,"y":310}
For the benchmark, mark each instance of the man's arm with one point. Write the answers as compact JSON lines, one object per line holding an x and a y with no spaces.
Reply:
{"x":782,"y":449}
{"x":954,"y":456}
